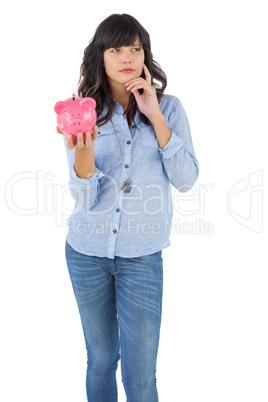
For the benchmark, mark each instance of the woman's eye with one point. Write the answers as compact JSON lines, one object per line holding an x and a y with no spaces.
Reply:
{"x":115,"y":50}
{"x":136,"y":49}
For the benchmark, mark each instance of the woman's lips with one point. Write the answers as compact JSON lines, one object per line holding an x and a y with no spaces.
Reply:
{"x":127,"y":70}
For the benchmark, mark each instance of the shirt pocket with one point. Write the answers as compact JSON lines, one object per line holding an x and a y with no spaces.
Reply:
{"x":148,"y":137}
{"x":104,"y":144}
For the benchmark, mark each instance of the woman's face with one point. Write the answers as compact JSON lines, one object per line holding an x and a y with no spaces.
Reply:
{"x":124,"y":63}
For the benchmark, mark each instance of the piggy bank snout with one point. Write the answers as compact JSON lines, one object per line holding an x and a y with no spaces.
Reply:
{"x":76,"y":123}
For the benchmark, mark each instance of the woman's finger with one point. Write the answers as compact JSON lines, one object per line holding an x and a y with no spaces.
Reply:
{"x":148,"y":76}
{"x":59,"y":131}
{"x":88,"y":140}
{"x":80,"y":140}
{"x":69,"y":141}
{"x":138,"y":84}
{"x":95,"y":132}
{"x":141,"y":85}
{"x":134,"y":81}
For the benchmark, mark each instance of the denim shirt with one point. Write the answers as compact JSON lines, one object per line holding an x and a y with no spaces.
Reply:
{"x":108,"y":222}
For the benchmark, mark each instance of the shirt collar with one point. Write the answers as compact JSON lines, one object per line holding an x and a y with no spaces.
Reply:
{"x":118,"y":108}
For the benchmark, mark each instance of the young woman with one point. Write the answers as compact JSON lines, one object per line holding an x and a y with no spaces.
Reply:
{"x":120,"y":178}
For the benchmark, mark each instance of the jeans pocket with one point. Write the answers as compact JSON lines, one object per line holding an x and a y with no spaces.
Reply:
{"x":151,"y":259}
{"x":68,"y":247}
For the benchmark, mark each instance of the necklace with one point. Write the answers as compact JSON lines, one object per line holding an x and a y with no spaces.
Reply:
{"x":127,"y":184}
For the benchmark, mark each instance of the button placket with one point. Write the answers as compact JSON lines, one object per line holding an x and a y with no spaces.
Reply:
{"x":126,"y":185}
{"x":126,"y":153}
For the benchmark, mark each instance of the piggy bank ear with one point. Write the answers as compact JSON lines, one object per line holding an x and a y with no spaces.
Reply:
{"x":88,"y":102}
{"x":59,"y":106}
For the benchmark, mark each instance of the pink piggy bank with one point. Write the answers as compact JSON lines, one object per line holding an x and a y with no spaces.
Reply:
{"x":76,"y":115}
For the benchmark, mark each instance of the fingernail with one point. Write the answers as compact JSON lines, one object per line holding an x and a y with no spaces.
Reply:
{"x":69,"y":136}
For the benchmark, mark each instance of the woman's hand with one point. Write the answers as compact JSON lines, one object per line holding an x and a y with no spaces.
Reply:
{"x":147,"y":101}
{"x":79,"y":142}
{"x":148,"y":104}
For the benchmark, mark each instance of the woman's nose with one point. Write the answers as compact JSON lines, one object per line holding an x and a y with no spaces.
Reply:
{"x":126,"y":56}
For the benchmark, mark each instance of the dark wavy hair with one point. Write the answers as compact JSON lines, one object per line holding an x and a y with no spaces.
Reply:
{"x":114,"y":32}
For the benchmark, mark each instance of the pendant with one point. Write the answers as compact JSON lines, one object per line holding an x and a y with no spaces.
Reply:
{"x":126,"y":186}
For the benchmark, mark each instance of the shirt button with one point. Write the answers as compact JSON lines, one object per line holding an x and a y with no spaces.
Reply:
{"x":128,"y":142}
{"x":114,"y":231}
{"x":126,"y":166}
{"x":134,"y":126}
{"x":117,"y":210}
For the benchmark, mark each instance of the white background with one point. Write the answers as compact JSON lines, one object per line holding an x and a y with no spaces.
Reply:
{"x":214,"y":328}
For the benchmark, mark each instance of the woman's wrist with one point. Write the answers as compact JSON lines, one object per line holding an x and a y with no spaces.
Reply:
{"x":85,"y":162}
{"x":161,"y":129}
{"x":157,"y":118}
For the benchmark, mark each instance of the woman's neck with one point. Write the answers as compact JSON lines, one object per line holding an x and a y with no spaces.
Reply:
{"x":120,"y":94}
{"x":122,"y":99}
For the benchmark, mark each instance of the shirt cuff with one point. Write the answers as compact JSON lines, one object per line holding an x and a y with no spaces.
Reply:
{"x":85,"y":182}
{"x":173,"y":145}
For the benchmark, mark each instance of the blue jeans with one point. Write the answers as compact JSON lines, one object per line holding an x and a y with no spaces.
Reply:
{"x":120,"y":303}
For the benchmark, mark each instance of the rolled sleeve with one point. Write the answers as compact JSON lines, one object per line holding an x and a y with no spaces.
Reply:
{"x":178,"y":156}
{"x":85,"y":182}
{"x":173,"y":145}
{"x":85,"y":192}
